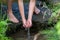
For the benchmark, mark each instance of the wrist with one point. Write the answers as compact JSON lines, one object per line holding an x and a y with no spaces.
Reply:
{"x":29,"y":19}
{"x":23,"y":19}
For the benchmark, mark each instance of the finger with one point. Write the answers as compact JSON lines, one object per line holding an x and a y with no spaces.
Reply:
{"x":24,"y":25}
{"x":27,"y":24}
{"x":30,"y":24}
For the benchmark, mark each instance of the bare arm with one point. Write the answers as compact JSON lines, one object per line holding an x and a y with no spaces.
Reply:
{"x":21,"y":9}
{"x":31,"y":9}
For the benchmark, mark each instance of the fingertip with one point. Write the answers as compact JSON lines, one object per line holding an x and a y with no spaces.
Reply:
{"x":24,"y":26}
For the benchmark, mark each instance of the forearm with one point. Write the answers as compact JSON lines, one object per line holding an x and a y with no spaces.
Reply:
{"x":21,"y":9}
{"x":31,"y":9}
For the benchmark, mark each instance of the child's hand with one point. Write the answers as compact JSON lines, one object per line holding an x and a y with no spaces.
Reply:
{"x":24,"y":23}
{"x":28,"y":23}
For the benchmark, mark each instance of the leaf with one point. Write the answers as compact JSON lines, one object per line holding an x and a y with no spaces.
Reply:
{"x":3,"y":23}
{"x":57,"y":26}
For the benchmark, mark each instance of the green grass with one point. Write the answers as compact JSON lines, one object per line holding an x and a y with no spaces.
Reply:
{"x":50,"y":34}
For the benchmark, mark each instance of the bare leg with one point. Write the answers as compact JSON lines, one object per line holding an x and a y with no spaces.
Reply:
{"x":10,"y":14}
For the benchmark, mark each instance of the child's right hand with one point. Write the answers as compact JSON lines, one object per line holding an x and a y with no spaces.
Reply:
{"x":29,"y":23}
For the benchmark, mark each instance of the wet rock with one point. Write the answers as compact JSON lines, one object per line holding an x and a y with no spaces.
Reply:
{"x":45,"y":12}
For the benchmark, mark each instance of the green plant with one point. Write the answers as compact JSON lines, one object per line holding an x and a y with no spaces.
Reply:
{"x":3,"y":26}
{"x":54,"y":33}
{"x":55,"y":13}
